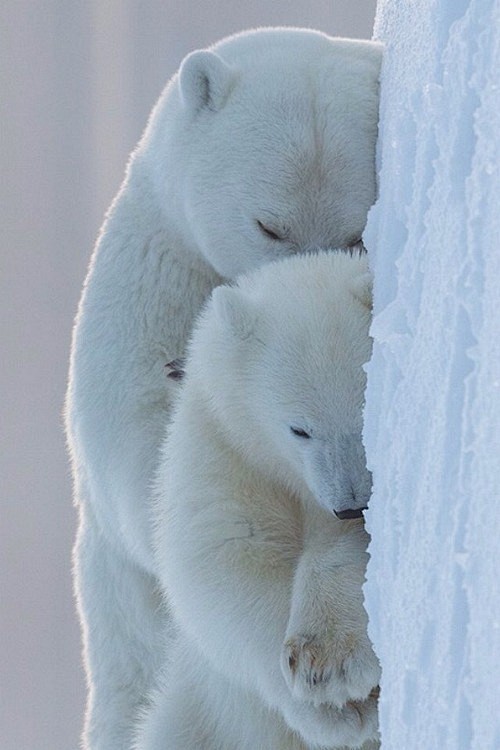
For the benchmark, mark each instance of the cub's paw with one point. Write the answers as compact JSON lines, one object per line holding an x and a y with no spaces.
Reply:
{"x":355,"y":725}
{"x":330,"y":668}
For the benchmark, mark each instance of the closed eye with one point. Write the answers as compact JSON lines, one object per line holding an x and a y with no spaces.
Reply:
{"x":300,"y":433}
{"x":357,"y":246}
{"x":269,"y":232}
{"x":354,"y":241}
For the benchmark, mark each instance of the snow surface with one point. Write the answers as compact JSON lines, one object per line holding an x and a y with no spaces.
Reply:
{"x":432,"y":420}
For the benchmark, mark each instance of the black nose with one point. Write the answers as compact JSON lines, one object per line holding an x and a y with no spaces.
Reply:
{"x":344,"y":515}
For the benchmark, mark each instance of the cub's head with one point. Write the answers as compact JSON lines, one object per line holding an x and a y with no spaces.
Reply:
{"x":269,"y":150}
{"x":281,"y":357}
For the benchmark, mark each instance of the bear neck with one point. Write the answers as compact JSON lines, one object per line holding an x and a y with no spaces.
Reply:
{"x":143,"y":291}
{"x":153,"y":281}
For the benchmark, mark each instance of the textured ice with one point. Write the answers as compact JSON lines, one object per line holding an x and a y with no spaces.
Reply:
{"x":432,"y":419}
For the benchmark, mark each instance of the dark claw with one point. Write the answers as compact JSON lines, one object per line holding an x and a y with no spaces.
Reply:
{"x":175,"y":369}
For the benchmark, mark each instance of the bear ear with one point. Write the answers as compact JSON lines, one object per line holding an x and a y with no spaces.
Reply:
{"x":361,"y":287}
{"x":234,"y":311}
{"x":204,"y":81}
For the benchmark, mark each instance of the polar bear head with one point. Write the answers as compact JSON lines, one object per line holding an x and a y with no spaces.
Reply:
{"x":263,"y":146}
{"x":280,"y":358}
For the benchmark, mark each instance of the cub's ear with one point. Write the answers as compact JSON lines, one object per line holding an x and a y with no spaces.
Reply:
{"x":234,"y":311}
{"x":204,"y":80}
{"x":361,"y":287}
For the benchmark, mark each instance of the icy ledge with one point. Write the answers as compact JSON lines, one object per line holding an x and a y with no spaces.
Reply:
{"x":432,"y":419}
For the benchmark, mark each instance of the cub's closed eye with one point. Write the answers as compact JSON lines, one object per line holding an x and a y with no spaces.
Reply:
{"x":354,"y":241}
{"x":268,"y":232}
{"x":300,"y":433}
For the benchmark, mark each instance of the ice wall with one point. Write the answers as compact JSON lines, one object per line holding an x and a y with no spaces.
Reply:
{"x":432,"y":421}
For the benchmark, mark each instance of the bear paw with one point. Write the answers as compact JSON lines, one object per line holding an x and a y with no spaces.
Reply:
{"x":330,"y":669}
{"x":328,"y":726}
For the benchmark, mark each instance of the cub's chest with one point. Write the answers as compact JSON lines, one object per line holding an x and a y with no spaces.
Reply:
{"x":260,"y":535}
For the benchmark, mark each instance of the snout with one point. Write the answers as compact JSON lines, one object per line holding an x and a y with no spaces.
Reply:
{"x":339,"y":477}
{"x":352,"y":492}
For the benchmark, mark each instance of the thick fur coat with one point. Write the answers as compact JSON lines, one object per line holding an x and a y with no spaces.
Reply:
{"x":261,"y":147}
{"x":265,"y":583}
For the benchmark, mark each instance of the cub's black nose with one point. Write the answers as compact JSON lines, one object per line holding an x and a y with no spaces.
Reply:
{"x":345,"y":515}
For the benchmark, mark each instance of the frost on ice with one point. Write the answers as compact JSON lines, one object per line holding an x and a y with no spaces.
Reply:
{"x":432,"y":420}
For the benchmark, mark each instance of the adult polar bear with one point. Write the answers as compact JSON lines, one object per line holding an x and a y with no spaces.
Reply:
{"x":265,"y":442}
{"x":260,"y":147}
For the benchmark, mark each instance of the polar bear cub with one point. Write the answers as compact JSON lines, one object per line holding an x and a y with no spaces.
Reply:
{"x":265,"y":582}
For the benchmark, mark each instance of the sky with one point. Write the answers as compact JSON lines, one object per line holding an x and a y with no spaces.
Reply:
{"x":80,"y":80}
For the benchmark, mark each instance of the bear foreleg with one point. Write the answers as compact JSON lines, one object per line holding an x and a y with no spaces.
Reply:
{"x":327,"y":657}
{"x":121,"y":620}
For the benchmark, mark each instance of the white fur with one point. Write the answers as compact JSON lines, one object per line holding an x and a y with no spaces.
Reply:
{"x":265,"y":584}
{"x":276,"y":126}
